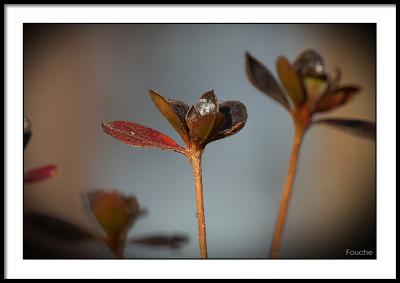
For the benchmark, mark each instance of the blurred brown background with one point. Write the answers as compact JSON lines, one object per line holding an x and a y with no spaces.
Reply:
{"x":78,"y":75}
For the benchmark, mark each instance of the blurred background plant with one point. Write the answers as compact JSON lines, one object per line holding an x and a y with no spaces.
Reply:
{"x":113,"y":214}
{"x":116,"y":214}
{"x":310,"y":90}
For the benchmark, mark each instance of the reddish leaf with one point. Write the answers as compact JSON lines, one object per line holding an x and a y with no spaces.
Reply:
{"x":358,"y":127}
{"x":329,"y":102}
{"x":39,"y":174}
{"x":140,"y":136}
{"x":338,"y":97}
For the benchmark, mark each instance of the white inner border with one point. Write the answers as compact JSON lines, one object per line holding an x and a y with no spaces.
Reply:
{"x":383,"y":267}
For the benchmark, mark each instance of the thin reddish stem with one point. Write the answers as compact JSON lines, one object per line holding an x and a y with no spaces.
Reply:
{"x":287,"y":192}
{"x":197,"y":174}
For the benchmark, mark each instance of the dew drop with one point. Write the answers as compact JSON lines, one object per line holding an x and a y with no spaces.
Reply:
{"x":205,"y":106}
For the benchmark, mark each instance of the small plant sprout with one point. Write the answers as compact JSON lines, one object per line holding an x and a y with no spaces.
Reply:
{"x":310,"y":90}
{"x":198,"y":125}
{"x":115,"y":214}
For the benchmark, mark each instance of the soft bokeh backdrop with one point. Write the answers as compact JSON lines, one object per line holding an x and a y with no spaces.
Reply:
{"x":78,"y":75}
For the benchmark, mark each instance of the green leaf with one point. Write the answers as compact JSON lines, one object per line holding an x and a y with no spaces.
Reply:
{"x":172,"y":110}
{"x":357,"y":127}
{"x":261,"y":78}
{"x":290,"y":80}
{"x":314,"y":87}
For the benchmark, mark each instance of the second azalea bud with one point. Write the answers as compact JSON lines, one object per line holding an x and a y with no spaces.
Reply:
{"x":115,"y":213}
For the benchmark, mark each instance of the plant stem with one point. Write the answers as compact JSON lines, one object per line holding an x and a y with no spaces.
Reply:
{"x":196,"y":165}
{"x":287,"y":191}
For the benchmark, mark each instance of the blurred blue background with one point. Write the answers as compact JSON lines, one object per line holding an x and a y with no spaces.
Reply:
{"x":76,"y":76}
